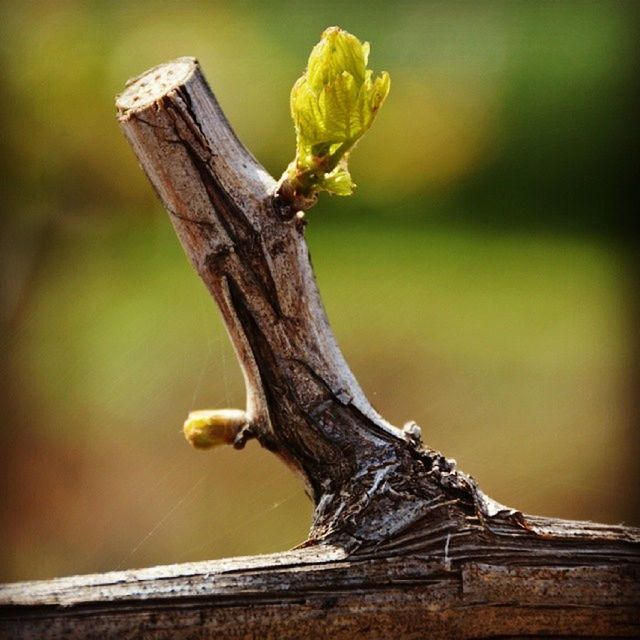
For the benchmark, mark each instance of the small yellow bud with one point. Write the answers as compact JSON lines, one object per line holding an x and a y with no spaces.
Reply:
{"x":211,"y":428}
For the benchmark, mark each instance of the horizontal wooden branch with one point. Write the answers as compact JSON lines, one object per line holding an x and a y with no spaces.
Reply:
{"x":322,"y":592}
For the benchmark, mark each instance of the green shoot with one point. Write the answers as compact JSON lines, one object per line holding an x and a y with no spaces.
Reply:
{"x":333,"y":104}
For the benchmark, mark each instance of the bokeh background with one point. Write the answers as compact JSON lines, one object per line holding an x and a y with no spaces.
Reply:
{"x":480,"y":281}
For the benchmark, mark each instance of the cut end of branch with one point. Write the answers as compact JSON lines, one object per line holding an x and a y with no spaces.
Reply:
{"x":153,"y":84}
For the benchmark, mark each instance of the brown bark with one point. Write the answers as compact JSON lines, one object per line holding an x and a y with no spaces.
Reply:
{"x":401,"y":541}
{"x":321,"y":592}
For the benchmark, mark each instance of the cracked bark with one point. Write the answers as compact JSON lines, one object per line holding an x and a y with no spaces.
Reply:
{"x":401,"y":541}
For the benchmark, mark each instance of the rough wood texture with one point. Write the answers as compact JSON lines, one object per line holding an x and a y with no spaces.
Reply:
{"x":402,"y":542}
{"x":323,"y":593}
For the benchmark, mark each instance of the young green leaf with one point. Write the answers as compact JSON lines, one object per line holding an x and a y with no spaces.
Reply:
{"x":332,"y":105}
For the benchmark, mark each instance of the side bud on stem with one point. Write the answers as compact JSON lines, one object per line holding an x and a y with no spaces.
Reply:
{"x":333,"y":104}
{"x":214,"y":427}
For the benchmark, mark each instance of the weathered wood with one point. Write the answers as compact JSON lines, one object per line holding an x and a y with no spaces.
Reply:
{"x":321,"y":592}
{"x":402,"y":543}
{"x":368,"y":479}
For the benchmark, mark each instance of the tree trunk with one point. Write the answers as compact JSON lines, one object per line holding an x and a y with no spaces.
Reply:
{"x":402,"y":542}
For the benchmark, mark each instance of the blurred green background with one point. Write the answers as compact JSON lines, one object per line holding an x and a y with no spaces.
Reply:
{"x":478,"y":281}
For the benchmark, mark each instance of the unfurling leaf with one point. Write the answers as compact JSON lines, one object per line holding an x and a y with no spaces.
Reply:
{"x":332,"y":105}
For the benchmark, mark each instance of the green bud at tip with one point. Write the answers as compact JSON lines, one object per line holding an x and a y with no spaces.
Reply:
{"x":333,"y":104}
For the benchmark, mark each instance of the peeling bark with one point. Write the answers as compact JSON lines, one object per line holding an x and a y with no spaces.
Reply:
{"x":321,"y":592}
{"x":401,"y":542}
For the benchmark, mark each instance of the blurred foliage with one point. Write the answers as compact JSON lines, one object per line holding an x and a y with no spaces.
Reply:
{"x":478,"y":280}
